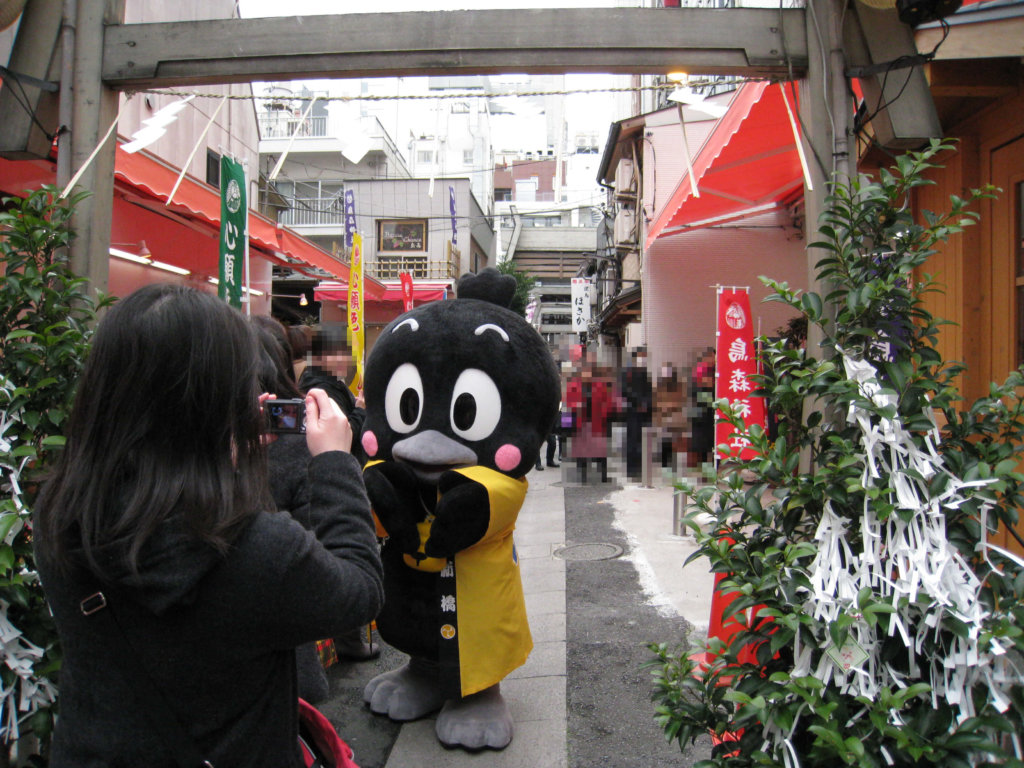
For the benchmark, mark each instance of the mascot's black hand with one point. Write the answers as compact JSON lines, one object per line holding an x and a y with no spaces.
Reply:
{"x":462,"y":516}
{"x":392,"y":488}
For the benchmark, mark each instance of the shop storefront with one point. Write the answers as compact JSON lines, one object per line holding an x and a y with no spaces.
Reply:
{"x":153,"y":240}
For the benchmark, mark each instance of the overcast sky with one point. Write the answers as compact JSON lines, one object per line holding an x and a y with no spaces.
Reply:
{"x":589,"y":111}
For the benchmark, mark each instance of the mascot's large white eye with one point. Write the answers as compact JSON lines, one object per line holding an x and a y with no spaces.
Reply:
{"x":476,"y":405}
{"x":403,"y":401}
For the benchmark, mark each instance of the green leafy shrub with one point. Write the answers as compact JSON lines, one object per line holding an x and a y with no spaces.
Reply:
{"x":878,"y":625}
{"x":46,"y":315}
{"x":525,"y":284}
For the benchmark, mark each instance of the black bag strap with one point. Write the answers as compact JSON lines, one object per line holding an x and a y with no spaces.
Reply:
{"x":148,"y":696}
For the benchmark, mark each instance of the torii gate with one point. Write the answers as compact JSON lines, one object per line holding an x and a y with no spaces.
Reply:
{"x":110,"y":56}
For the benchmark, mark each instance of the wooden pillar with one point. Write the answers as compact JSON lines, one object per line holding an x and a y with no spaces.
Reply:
{"x":826,"y":115}
{"x":67,"y":94}
{"x":93,"y":110}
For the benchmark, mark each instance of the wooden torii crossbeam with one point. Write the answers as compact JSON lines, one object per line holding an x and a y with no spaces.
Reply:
{"x":762,"y":42}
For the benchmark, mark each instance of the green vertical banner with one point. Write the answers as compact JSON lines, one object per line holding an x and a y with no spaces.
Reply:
{"x":233,"y":211}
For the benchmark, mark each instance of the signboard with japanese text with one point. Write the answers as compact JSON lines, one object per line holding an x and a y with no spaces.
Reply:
{"x":402,"y":235}
{"x":233,"y":213}
{"x":579,"y":294}
{"x":735,"y":362}
{"x":356,"y":329}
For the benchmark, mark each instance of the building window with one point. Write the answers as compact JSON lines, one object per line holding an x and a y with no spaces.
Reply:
{"x":212,"y":168}
{"x":502,"y":194}
{"x":467,"y":157}
{"x":315,"y":202}
{"x":402,"y":235}
{"x":425,"y":156}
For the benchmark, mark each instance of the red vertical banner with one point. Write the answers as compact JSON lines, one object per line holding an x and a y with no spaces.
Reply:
{"x":406,"y":279}
{"x":735,"y":362}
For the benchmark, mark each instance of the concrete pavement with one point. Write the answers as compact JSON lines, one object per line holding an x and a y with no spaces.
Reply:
{"x":537,"y":691}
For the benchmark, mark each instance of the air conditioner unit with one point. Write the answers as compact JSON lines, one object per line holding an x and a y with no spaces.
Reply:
{"x":625,"y":224}
{"x":624,"y":175}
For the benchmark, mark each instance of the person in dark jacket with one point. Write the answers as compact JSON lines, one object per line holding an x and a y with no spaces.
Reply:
{"x":288,"y":460}
{"x":638,"y":406}
{"x":289,"y":484}
{"x":160,"y":498}
{"x":702,"y":392}
{"x":327,"y":371}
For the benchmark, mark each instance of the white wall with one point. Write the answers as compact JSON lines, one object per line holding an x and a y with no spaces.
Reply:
{"x":679,"y":304}
{"x":664,"y":156}
{"x":235,"y":130}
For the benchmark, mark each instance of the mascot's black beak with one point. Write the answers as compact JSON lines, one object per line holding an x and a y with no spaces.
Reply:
{"x":430,"y":453}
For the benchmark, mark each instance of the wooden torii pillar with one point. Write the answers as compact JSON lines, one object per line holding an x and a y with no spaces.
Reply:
{"x":93,"y":109}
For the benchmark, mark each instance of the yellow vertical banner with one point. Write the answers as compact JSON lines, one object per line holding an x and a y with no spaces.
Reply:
{"x":356,"y":335}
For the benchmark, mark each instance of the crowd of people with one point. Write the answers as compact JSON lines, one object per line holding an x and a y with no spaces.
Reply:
{"x":675,"y":406}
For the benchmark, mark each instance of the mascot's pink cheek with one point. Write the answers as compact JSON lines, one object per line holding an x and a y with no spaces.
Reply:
{"x":370,"y":443}
{"x":507,"y":457}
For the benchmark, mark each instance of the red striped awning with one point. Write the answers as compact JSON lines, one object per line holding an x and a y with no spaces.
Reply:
{"x":748,"y":165}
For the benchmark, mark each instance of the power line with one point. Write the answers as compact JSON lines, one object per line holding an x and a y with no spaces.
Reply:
{"x":668,"y":86}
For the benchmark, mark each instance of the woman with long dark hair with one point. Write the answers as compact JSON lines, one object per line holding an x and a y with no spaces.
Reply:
{"x":160,"y":502}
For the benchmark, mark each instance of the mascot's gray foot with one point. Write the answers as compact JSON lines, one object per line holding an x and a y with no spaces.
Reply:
{"x":406,"y":693}
{"x":475,"y":722}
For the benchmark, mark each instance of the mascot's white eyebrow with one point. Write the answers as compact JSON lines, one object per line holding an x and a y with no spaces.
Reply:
{"x":410,"y":321}
{"x":492,"y":327}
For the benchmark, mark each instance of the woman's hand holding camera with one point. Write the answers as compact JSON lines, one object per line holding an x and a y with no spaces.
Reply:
{"x":327,"y":427}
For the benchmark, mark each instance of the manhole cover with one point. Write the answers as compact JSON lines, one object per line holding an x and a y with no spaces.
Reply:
{"x":597,"y":551}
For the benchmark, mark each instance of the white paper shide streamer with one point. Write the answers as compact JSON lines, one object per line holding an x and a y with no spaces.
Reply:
{"x":907,"y":562}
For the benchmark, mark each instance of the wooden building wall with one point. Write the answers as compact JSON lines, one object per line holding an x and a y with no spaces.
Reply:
{"x":978,"y":270}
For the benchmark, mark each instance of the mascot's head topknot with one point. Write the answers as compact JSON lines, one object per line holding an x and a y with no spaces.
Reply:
{"x":461,"y":383}
{"x":489,"y":285}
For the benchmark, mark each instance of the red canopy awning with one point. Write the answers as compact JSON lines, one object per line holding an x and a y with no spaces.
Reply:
{"x":144,"y":180}
{"x":422,"y":290}
{"x":199,"y":201}
{"x":748,"y":164}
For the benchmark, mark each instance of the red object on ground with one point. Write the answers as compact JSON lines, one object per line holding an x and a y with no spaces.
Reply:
{"x":319,"y":742}
{"x":726,"y":630}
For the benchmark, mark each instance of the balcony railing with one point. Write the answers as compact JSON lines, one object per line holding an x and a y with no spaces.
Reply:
{"x":420,"y":267}
{"x":313,"y":211}
{"x":281,"y":126}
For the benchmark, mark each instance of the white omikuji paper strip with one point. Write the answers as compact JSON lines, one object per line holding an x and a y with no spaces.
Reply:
{"x":27,"y":693}
{"x":902,"y":561}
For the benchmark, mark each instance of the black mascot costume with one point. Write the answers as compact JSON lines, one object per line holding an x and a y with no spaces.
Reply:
{"x":460,"y":396}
